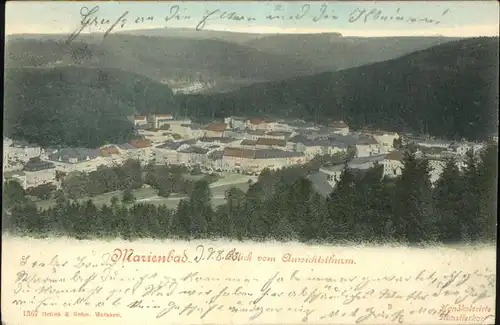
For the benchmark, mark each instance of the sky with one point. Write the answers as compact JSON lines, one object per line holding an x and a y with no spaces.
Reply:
{"x":446,"y":18}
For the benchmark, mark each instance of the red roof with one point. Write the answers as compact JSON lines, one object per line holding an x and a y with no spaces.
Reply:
{"x":338,"y":124}
{"x":140,"y":118}
{"x":257,"y":120}
{"x":216,"y":127}
{"x":144,"y":143}
{"x":163,"y":115}
{"x":106,"y":151}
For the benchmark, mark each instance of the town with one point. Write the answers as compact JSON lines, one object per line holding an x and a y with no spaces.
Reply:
{"x":236,"y":145}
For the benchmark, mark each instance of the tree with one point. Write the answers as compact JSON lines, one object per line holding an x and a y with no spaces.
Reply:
{"x":448,"y":196}
{"x":200,"y":202}
{"x":397,"y":143}
{"x":43,"y":191}
{"x":488,"y":186}
{"x":128,"y":196}
{"x":414,"y":217}
{"x":13,"y":193}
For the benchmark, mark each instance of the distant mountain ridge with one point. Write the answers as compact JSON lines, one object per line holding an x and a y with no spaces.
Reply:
{"x":448,"y":90}
{"x":226,"y":60}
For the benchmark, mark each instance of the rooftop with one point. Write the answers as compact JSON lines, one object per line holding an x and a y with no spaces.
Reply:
{"x":174,"y":145}
{"x":320,"y":183}
{"x":395,"y":155}
{"x":142,"y":143}
{"x":257,"y":120}
{"x":79,"y":154}
{"x":271,"y":142}
{"x":107,"y":151}
{"x":166,"y":116}
{"x":193,"y":149}
{"x":215,"y":139}
{"x":337,"y":124}
{"x":246,"y":142}
{"x":216,"y":127}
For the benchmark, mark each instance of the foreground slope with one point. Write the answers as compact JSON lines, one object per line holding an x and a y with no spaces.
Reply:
{"x":448,"y":90}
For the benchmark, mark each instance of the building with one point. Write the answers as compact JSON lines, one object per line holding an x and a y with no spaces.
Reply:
{"x":367,"y":146}
{"x":393,"y":165}
{"x":254,"y":134}
{"x":248,"y":144}
{"x":235,"y":122}
{"x":214,"y":161}
{"x":339,"y":127}
{"x":140,"y":120}
{"x":181,"y":127}
{"x":319,"y":147}
{"x":385,"y":139}
{"x":161,"y":121}
{"x":142,"y":150}
{"x":111,"y":154}
{"x":194,"y":131}
{"x":279,"y":135}
{"x":332,"y":174}
{"x":205,"y":142}
{"x":436,"y":143}
{"x":192,"y":156}
{"x":254,"y":161}
{"x":215,"y":130}
{"x":77,"y":159}
{"x":167,"y":153}
{"x":257,"y":123}
{"x":264,"y":143}
{"x":365,"y":163}
{"x":320,"y":183}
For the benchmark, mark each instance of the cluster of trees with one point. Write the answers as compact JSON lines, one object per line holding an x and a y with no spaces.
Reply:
{"x":103,"y":180}
{"x":168,"y":179}
{"x":79,"y":106}
{"x":283,"y":205}
{"x":127,"y":177}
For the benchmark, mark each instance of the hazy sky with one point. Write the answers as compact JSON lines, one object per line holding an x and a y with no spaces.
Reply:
{"x":467,"y":18}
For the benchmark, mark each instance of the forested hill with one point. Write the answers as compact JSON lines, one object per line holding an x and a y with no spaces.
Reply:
{"x":449,"y":90}
{"x":75,"y":106}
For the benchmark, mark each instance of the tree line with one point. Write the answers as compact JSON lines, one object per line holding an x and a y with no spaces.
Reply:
{"x":283,"y":205}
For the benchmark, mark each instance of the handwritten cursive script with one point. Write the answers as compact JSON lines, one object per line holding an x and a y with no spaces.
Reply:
{"x":100,"y":281}
{"x":312,"y":13}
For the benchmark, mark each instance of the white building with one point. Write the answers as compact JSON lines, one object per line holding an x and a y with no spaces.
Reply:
{"x":393,"y":165}
{"x":364,"y":163}
{"x":159,"y":120}
{"x":235,"y":122}
{"x":339,"y":127}
{"x":333,"y":174}
{"x":366,"y":147}
{"x":140,"y":120}
{"x":192,"y":156}
{"x":254,"y":161}
{"x":385,"y":140}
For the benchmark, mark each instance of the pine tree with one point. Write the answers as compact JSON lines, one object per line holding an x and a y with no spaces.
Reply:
{"x":414,"y":218}
{"x":200,"y":202}
{"x":488,"y":186}
{"x":448,"y":195}
{"x":128,"y":196}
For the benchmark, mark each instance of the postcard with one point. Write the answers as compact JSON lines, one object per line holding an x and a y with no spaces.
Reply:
{"x":250,"y":163}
